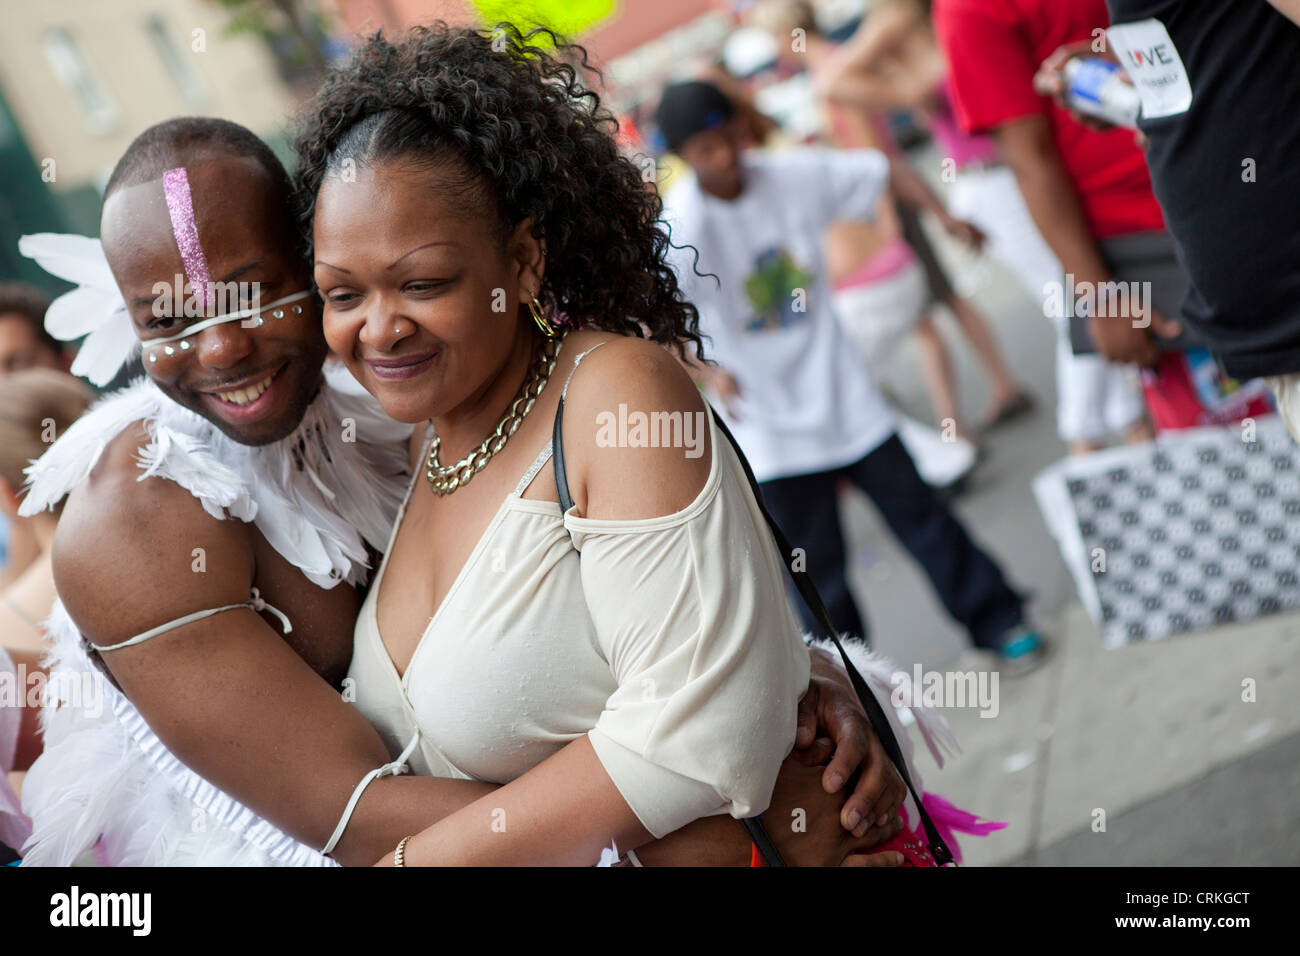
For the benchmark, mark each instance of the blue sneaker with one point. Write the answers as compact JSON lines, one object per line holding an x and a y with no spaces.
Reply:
{"x":1022,"y":650}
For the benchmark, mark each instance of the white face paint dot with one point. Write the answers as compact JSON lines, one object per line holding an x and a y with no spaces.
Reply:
{"x":297,"y":310}
{"x":278,"y":313}
{"x":185,"y":344}
{"x":168,"y":350}
{"x":153,"y":356}
{"x":259,"y":322}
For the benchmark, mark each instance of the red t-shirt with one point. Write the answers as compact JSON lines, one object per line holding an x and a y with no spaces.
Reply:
{"x":994,"y":47}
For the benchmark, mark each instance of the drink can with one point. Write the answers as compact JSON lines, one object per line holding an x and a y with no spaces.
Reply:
{"x":1097,"y":87}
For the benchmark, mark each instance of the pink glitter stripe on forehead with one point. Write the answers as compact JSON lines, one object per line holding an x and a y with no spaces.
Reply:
{"x":180,"y":206}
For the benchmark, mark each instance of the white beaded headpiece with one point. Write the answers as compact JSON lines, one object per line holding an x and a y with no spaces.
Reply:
{"x":96,"y":310}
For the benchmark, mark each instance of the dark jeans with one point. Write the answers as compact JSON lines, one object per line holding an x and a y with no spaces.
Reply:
{"x":967,"y":581}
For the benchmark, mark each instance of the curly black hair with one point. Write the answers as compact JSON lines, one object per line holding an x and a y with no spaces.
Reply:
{"x":535,"y":141}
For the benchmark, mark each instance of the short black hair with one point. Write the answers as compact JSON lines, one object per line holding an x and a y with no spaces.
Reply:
{"x":31,"y":304}
{"x":175,"y":142}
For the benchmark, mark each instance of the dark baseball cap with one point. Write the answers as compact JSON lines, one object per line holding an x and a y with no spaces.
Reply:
{"x":688,"y":108}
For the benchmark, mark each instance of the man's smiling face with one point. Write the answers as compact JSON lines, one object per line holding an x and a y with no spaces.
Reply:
{"x":252,"y":381}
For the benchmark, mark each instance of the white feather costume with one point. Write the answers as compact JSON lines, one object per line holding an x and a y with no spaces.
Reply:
{"x":105,"y":780}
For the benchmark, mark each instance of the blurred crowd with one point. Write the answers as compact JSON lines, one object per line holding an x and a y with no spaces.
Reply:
{"x":993,"y":132}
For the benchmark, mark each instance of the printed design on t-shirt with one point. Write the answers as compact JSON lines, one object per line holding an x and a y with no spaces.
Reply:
{"x":777,"y":289}
{"x":1152,"y":62}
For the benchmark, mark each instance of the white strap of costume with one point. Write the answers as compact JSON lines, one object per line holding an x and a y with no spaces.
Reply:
{"x":228,"y":317}
{"x":393,"y":768}
{"x":255,"y":603}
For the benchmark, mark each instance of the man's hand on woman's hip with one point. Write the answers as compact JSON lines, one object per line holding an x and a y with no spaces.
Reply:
{"x":833,"y":729}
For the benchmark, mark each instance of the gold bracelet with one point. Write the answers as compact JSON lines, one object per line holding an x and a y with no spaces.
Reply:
{"x":399,"y":855}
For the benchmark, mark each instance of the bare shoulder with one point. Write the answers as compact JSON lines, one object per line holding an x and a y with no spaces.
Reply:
{"x":629,"y":370}
{"x":636,"y":430}
{"x":130,"y":554}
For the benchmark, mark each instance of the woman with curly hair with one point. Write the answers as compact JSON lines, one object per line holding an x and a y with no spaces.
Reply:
{"x":210,"y":739}
{"x":626,"y":662}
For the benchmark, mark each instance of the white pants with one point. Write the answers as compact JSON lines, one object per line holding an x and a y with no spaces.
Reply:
{"x":1095,"y":398}
{"x":1286,"y":393}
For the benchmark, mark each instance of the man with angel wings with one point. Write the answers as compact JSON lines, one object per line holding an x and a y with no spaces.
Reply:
{"x":221,"y":514}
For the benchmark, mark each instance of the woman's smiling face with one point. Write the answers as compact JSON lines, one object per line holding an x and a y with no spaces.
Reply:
{"x":421,"y":290}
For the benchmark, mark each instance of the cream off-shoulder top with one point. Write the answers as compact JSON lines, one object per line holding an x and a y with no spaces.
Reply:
{"x":668,"y":641}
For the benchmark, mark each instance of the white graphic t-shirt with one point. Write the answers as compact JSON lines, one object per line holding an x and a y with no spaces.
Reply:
{"x":808,"y":403}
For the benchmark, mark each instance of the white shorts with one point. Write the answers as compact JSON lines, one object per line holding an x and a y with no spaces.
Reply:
{"x":1095,"y":398}
{"x":877,"y":316}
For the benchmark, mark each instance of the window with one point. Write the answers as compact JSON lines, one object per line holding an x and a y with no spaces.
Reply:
{"x":177,"y":61}
{"x":74,"y":72}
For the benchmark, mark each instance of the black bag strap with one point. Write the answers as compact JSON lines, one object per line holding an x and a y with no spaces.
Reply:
{"x":808,"y":590}
{"x":557,"y":460}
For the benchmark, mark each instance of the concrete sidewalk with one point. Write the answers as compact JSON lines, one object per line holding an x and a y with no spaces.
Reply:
{"x":1156,"y":739}
{"x":1099,"y":737}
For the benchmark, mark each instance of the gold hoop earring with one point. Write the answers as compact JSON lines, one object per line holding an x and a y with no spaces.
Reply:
{"x":539,"y":317}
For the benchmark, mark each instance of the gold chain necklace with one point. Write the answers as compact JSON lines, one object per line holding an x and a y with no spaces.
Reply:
{"x":444,"y":479}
